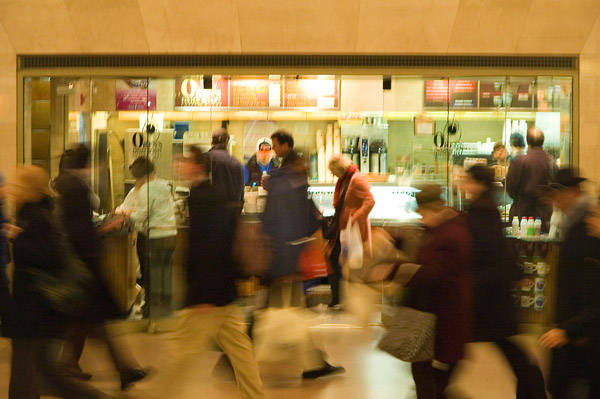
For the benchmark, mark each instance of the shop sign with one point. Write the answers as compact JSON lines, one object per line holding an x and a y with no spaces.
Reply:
{"x":319,"y":92}
{"x":255,"y":93}
{"x":135,"y":94}
{"x":462,"y":93}
{"x":190,"y":93}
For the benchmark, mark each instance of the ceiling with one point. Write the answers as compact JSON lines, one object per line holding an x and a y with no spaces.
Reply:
{"x":291,"y":26}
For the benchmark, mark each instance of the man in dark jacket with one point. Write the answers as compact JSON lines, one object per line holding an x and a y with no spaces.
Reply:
{"x":210,"y":312}
{"x":576,"y":341}
{"x":226,"y":171}
{"x":526,"y":174}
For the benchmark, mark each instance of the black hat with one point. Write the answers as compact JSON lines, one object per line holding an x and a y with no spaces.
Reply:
{"x":566,"y":178}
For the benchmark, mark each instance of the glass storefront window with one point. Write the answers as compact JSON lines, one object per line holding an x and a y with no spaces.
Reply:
{"x":401,"y":130}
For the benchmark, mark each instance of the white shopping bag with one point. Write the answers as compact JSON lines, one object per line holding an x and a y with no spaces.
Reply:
{"x":351,"y":254}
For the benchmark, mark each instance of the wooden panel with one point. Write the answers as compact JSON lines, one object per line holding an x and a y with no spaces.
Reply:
{"x":119,"y":267}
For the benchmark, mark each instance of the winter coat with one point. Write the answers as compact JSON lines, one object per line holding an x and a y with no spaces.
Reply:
{"x":578,"y":303}
{"x":494,"y":270}
{"x":253,"y":171}
{"x":285,"y":218}
{"x":227,"y":173}
{"x":210,"y":270}
{"x":76,"y":215}
{"x":525,"y":179}
{"x":39,"y":247}
{"x":443,"y":284}
{"x":358,"y":203}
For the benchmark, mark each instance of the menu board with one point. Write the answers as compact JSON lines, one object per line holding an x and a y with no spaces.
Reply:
{"x":255,"y":93}
{"x":311,"y":93}
{"x":492,"y":95}
{"x":135,"y":94}
{"x":190,"y":93}
{"x":462,"y":93}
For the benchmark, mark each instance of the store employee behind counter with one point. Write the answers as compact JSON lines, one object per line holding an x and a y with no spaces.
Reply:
{"x":262,"y":161}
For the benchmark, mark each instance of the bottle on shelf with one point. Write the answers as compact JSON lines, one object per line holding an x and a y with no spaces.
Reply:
{"x":523,"y":227}
{"x":530,"y":227}
{"x":515,"y":226}
{"x":537,"y":227}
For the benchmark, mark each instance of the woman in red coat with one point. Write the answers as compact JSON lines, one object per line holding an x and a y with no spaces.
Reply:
{"x":353,"y":193}
{"x":440,"y":282}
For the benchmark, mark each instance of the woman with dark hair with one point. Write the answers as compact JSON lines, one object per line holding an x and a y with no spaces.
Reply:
{"x":494,"y":270}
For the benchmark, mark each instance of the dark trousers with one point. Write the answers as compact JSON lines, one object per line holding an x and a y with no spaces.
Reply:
{"x":429,"y":381}
{"x":30,"y":356}
{"x":121,"y":356}
{"x":155,"y":255}
{"x":530,"y":381}
{"x":336,"y":272}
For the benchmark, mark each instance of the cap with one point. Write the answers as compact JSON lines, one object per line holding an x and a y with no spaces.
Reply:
{"x":565,"y":178}
{"x":264,"y":140}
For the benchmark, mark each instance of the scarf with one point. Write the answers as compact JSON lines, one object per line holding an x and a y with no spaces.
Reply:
{"x":341,"y":182}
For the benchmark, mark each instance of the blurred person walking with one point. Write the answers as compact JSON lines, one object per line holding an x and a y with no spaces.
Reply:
{"x":286,"y":222}
{"x":352,"y":200}
{"x":75,"y":205}
{"x":575,"y":341}
{"x":154,"y":216}
{"x":4,"y":250}
{"x":441,"y":282}
{"x":34,"y":326}
{"x":495,"y":270}
{"x":210,"y":312}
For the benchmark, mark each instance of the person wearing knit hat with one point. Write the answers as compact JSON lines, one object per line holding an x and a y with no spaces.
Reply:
{"x":262,"y":161}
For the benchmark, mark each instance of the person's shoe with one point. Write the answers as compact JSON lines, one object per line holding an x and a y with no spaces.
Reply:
{"x":132,"y":376}
{"x":326,"y":370}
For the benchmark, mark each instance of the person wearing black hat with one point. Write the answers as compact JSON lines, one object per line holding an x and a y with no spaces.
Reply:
{"x":525,"y":176}
{"x":575,"y":342}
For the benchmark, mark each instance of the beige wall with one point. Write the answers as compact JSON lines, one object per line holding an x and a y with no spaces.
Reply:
{"x":505,"y":27}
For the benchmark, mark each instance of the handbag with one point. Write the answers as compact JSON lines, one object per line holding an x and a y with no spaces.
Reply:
{"x":330,"y":225}
{"x":312,"y":261}
{"x":411,"y":336}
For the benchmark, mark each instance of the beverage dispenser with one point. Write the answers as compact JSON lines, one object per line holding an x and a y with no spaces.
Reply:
{"x":364,"y":154}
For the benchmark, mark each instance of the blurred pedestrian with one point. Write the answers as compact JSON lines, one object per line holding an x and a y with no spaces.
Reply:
{"x":575,"y":342}
{"x":75,"y":209}
{"x":352,"y":200}
{"x":286,"y":222}
{"x":227,"y":173}
{"x":154,"y":216}
{"x":4,"y":250}
{"x":441,"y":282}
{"x":210,"y":311}
{"x":34,"y":326}
{"x":495,"y":270}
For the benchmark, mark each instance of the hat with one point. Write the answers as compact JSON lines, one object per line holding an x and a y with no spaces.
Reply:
{"x":430,"y":194}
{"x":264,"y":140}
{"x":517,"y":140}
{"x":566,"y":178}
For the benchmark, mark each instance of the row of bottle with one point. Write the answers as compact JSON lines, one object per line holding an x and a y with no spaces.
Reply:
{"x":527,"y":228}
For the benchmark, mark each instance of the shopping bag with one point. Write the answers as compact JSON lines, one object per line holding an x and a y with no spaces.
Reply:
{"x":351,"y":253}
{"x":411,"y":336}
{"x":312,"y":261}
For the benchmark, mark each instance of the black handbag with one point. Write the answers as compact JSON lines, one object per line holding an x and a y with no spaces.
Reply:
{"x":330,"y":225}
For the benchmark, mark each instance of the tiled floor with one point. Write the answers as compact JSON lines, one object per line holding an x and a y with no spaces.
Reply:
{"x":370,"y":374}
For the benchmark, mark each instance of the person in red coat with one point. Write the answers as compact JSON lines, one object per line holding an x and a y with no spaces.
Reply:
{"x":353,"y":193}
{"x":441,"y":282}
